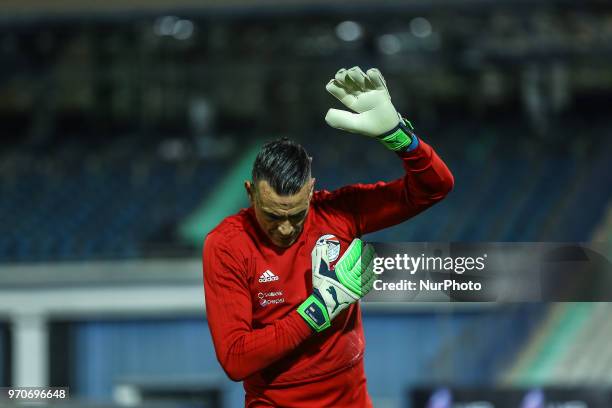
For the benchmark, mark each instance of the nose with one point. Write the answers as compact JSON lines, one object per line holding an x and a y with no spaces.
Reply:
{"x":285,"y":229}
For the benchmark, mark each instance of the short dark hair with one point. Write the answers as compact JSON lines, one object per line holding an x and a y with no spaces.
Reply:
{"x":284,"y":164}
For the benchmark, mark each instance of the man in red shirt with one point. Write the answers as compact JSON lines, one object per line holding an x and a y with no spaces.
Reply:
{"x":283,"y":277}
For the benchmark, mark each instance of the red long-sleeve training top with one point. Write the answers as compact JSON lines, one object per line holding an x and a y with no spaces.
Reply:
{"x":253,"y":288}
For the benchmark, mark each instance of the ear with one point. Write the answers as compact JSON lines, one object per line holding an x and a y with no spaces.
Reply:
{"x":312,"y":184}
{"x":250,"y":190}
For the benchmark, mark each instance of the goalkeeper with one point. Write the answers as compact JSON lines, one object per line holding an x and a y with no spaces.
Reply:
{"x":283,"y":277}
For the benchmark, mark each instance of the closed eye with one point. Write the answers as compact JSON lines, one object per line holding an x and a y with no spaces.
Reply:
{"x":293,"y":218}
{"x":297,"y":217}
{"x":273,"y":217}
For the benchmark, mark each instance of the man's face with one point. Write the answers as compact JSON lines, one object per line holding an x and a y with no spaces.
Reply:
{"x":280,"y":217}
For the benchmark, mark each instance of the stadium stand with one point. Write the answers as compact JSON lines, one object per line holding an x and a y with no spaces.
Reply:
{"x":124,"y":201}
{"x":110,"y":202}
{"x":587,"y":359}
{"x":524,"y":195}
{"x":569,"y":348}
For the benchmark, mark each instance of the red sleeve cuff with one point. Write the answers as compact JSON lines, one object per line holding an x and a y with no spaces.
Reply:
{"x":302,"y":329}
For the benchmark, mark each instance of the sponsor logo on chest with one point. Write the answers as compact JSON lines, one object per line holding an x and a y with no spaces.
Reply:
{"x":273,"y":297}
{"x":270,"y":298}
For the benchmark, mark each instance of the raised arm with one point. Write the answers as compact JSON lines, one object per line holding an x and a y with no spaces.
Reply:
{"x":427,"y":180}
{"x":372,"y":207}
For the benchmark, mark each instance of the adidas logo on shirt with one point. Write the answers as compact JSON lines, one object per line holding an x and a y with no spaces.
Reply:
{"x":267,"y":276}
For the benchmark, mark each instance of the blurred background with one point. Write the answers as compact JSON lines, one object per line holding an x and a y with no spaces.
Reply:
{"x":128,"y":128}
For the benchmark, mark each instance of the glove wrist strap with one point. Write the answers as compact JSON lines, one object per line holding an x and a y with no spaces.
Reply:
{"x":314,"y":312}
{"x":398,"y":138}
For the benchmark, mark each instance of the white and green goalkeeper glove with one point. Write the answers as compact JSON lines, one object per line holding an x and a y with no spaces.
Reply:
{"x":367,"y":94}
{"x":335,"y":289}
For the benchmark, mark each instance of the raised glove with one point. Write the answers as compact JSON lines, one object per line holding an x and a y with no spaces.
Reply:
{"x":376,"y":116}
{"x":335,"y":288}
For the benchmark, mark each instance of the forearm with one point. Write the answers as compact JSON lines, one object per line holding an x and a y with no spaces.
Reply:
{"x":427,"y":178}
{"x":244,"y":352}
